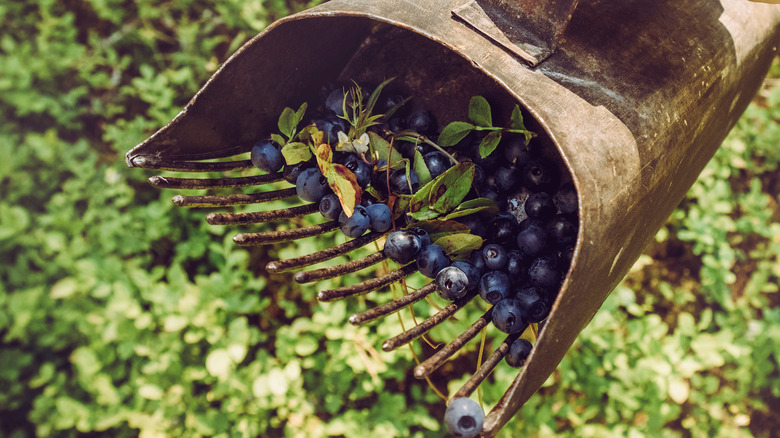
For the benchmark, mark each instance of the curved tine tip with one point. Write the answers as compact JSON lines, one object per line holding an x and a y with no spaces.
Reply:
{"x":156,"y":180}
{"x":299,"y":276}
{"x":138,"y":161}
{"x":387,"y":346}
{"x":179,"y":200}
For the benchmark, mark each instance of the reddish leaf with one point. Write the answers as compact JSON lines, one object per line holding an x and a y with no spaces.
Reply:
{"x":344,"y":184}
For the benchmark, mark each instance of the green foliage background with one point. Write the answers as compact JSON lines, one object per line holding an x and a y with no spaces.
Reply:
{"x":121,"y":315}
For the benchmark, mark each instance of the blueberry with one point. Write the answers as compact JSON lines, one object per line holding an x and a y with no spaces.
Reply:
{"x":452,"y":283}
{"x":311,"y":185}
{"x":291,"y":172}
{"x":471,"y":271}
{"x":425,"y":238}
{"x":488,"y":164}
{"x":389,"y":102}
{"x":479,"y":176}
{"x":566,"y":199}
{"x":335,"y":101}
{"x":366,"y":199}
{"x":402,"y":246}
{"x":266,"y":156}
{"x":420,"y":121}
{"x":360,"y":168}
{"x":330,"y":206}
{"x":532,"y":238}
{"x":540,"y":206}
{"x":507,"y":178}
{"x":469,"y":142}
{"x":518,"y":353}
{"x":516,"y":151}
{"x":490,"y":192}
{"x":495,"y":257}
{"x":437,"y":163}
{"x":515,"y":266}
{"x":379,"y":176}
{"x":544,"y":273}
{"x":431,"y":260}
{"x":478,"y":261}
{"x":562,"y":231}
{"x":408,"y":149}
{"x":494,"y":286}
{"x":507,"y":316}
{"x":464,"y":417}
{"x":402,"y":185}
{"x":381,"y":217}
{"x":533,"y":300}
{"x":396,"y":124}
{"x":355,"y":225}
{"x":565,"y":256}
{"x":331,"y":125}
{"x":503,"y":229}
{"x":476,"y":224}
{"x":540,"y":175}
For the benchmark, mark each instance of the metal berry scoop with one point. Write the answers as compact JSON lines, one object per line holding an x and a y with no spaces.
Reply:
{"x":632,"y":98}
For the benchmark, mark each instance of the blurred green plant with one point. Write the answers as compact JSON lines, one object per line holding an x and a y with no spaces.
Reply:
{"x":122,"y":315}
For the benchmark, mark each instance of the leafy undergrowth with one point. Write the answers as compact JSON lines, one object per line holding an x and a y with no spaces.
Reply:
{"x":122,"y":315}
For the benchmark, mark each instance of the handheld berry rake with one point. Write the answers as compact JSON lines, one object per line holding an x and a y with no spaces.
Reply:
{"x":631,"y":99}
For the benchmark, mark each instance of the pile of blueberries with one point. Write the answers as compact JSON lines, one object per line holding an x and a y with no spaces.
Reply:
{"x":527,"y":248}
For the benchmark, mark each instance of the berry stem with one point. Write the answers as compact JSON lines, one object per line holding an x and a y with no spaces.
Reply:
{"x":479,"y":364}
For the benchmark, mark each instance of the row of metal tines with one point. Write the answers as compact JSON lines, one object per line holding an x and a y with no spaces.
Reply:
{"x":421,"y":371}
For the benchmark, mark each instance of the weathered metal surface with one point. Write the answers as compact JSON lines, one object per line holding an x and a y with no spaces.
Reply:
{"x":529,"y":29}
{"x":635,"y":98}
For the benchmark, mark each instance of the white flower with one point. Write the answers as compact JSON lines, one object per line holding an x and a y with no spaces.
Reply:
{"x":358,"y":146}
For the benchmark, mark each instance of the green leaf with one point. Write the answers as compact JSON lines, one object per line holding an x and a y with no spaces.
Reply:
{"x":472,"y":206}
{"x":453,"y":133}
{"x":458,"y":246}
{"x":516,"y":120}
{"x":425,"y":213}
{"x":380,"y":149}
{"x":440,"y":228}
{"x":296,"y":152}
{"x":489,"y":143}
{"x":300,"y":113}
{"x":287,"y":123}
{"x":451,"y":187}
{"x":420,"y":199}
{"x":423,"y":174}
{"x":479,"y":111}
{"x":400,"y":205}
{"x":278,"y":139}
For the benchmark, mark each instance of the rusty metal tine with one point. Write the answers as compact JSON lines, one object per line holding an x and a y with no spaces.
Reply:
{"x":338,"y":270}
{"x":265,"y":238}
{"x":320,"y":256}
{"x":261,"y":216}
{"x":423,"y":327}
{"x":147,"y":162}
{"x":368,"y":285}
{"x":434,"y":362}
{"x":369,"y":315}
{"x":237,"y":199}
{"x":486,"y":368}
{"x":164,"y":182}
